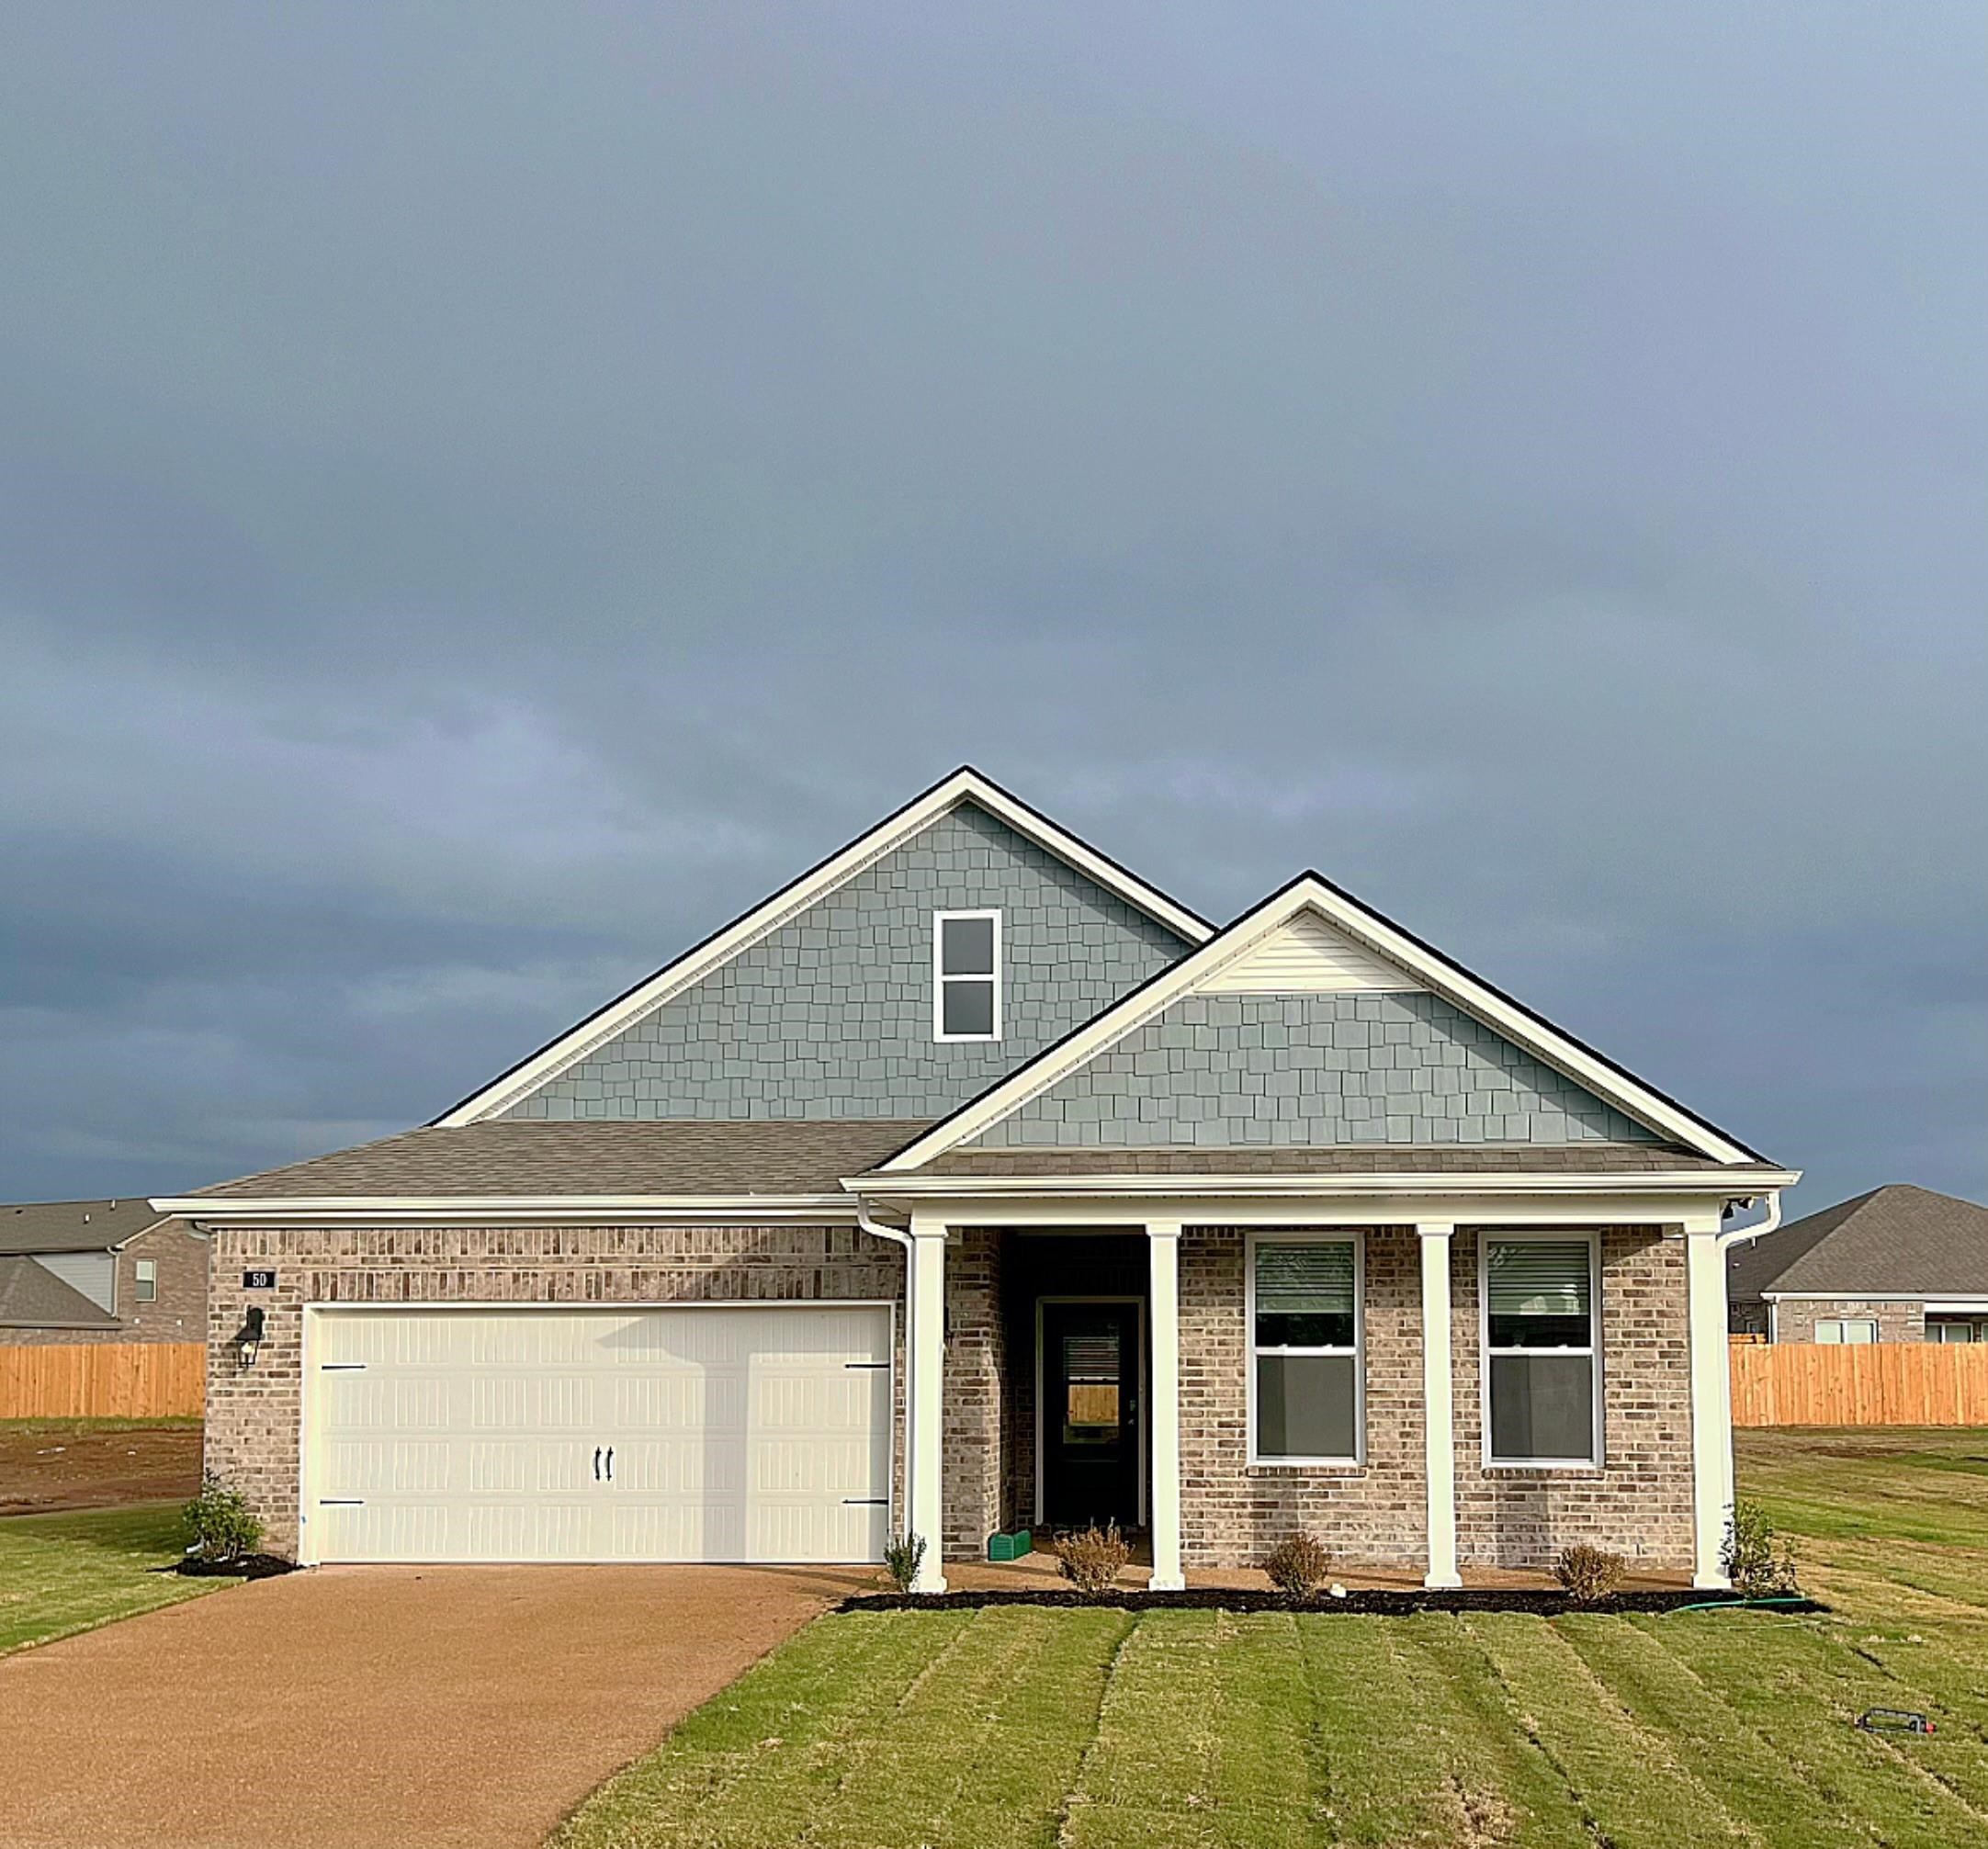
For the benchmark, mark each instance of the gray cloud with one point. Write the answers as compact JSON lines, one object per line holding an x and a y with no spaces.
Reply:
{"x":478,"y":507}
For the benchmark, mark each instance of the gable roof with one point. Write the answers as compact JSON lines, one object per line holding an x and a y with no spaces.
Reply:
{"x":1893,"y":1241}
{"x":525,"y":1158}
{"x":965,"y":785}
{"x":1378,"y":936}
{"x":74,"y":1225}
{"x":32,"y":1297}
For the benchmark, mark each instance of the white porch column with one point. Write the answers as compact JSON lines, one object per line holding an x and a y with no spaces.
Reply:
{"x":1438,"y":1405}
{"x":1711,"y":1397}
{"x":924,"y":1398}
{"x":1163,"y":1307}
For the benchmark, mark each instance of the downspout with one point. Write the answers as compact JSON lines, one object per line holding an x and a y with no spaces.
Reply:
{"x":898,"y":1237}
{"x":1723,"y":1242}
{"x":1756,"y":1231}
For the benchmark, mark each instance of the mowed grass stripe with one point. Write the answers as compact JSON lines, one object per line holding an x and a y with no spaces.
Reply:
{"x":1799,"y":1689}
{"x":1624,"y":1775}
{"x":1723,"y":1750}
{"x":751,"y":1766}
{"x":985,"y":1753}
{"x":1502,"y":1786}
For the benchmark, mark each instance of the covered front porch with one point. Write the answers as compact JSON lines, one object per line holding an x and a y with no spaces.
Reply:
{"x":1073,"y":1358}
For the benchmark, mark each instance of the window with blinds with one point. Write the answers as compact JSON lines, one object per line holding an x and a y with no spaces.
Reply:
{"x":1540,"y":1351}
{"x":1305,"y":1351}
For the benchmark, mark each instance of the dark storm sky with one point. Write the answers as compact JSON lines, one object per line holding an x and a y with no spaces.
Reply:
{"x":487,"y":493}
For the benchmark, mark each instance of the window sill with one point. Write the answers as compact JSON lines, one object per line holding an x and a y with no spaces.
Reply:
{"x":1580,"y":1470}
{"x":1318,"y":1467}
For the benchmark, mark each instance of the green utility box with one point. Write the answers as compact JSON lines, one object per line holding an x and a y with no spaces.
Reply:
{"x":1009,"y":1547}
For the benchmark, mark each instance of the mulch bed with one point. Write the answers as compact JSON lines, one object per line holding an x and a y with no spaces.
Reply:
{"x":1541,"y":1604}
{"x":249,"y":1566}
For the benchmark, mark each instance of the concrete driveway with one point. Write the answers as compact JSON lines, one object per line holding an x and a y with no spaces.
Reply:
{"x":369,"y":1706}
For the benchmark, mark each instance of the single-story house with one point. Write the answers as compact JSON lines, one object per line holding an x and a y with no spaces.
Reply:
{"x":970,"y":1182}
{"x":100,"y":1271}
{"x":1898,"y":1264}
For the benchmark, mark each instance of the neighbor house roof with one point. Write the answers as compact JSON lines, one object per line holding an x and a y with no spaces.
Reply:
{"x":32,"y":1297}
{"x":73,"y":1225}
{"x":509,"y":1157}
{"x":1895,"y":1241}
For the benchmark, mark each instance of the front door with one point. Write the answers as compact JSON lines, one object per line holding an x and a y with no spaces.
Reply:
{"x":1090,"y":1414}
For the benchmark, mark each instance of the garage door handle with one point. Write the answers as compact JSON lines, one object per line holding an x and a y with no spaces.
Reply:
{"x":610,"y":1463}
{"x":866,"y":1364}
{"x":866,"y":1502}
{"x":596,"y":1463}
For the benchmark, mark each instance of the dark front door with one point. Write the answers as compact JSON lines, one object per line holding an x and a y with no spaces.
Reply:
{"x":1090,"y":1414}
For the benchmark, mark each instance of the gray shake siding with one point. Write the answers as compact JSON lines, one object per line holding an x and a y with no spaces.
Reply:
{"x":1219,"y":1070}
{"x":830,"y":1015}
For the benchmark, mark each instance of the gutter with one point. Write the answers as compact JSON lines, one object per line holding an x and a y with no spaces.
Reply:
{"x":1754,"y":1232}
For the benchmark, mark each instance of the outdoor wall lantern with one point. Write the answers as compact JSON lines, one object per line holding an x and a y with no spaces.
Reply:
{"x":248,"y":1338}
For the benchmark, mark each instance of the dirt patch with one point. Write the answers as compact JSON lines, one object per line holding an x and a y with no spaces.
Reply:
{"x":50,"y":1465}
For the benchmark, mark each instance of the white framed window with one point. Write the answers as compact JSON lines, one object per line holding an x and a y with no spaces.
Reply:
{"x":1945,"y":1329}
{"x":1537,"y":1302}
{"x":147,"y":1280}
{"x":1304,"y":1302}
{"x":1855,"y":1331}
{"x":966,"y":975}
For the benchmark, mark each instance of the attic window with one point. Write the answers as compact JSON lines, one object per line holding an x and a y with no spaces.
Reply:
{"x":966,"y":975}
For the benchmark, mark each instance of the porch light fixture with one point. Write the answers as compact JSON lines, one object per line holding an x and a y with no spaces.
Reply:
{"x":248,"y":1338}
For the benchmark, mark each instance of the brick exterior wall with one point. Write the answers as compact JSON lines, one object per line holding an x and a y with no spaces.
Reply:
{"x":178,"y":1314}
{"x":1795,"y":1322}
{"x":1638,"y":1503}
{"x":1233,"y":1513}
{"x":974,"y":1498}
{"x":253,"y":1417}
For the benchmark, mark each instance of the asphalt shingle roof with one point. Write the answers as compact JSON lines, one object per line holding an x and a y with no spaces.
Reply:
{"x":73,"y":1225}
{"x":32,"y":1297}
{"x":1899,"y":1240}
{"x":506,"y":1156}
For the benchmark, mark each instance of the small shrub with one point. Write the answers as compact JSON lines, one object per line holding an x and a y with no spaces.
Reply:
{"x":1748,"y":1556}
{"x":1297,"y":1565}
{"x":1589,"y":1572}
{"x":902,"y":1558}
{"x":1092,"y":1561}
{"x":219,"y":1522}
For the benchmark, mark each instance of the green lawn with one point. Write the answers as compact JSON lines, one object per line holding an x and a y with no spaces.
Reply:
{"x":72,"y":1571}
{"x":1087,"y":1728}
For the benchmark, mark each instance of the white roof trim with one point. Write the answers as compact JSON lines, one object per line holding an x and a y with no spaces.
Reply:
{"x":1705,"y":1181}
{"x":1437,"y":972}
{"x":506,"y":1208}
{"x":673,"y":979}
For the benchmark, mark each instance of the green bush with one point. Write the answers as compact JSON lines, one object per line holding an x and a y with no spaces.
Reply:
{"x":219,"y":1522}
{"x":1589,"y":1572}
{"x":1297,"y":1565}
{"x":902,"y":1558}
{"x":1093,"y":1559}
{"x":1748,"y":1556}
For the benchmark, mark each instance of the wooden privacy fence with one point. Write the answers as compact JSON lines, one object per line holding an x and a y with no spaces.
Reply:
{"x":1878,"y":1383}
{"x":104,"y":1380}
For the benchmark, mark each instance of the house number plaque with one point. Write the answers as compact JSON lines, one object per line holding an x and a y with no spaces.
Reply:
{"x":258,"y":1281}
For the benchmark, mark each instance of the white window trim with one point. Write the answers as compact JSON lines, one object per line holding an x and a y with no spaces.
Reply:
{"x":1562,"y":1235}
{"x":939,"y":979}
{"x":138,"y":1280}
{"x":1842,"y":1322}
{"x":1354,"y":1237}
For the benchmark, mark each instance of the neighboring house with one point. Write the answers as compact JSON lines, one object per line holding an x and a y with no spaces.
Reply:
{"x":967,"y":1183}
{"x":1898,"y":1264}
{"x":100,"y":1271}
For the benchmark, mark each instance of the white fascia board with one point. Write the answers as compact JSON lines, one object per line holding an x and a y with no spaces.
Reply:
{"x":1310,"y":892}
{"x":1932,"y":1299}
{"x":1673,"y":1214}
{"x":964,"y":786}
{"x":1711,"y":1183}
{"x":511,"y":1209}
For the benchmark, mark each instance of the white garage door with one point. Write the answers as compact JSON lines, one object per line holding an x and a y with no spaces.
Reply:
{"x":716,"y":1434}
